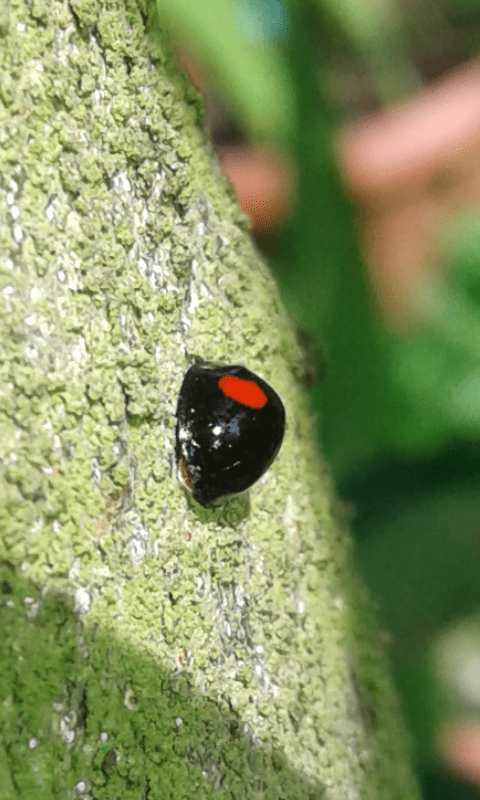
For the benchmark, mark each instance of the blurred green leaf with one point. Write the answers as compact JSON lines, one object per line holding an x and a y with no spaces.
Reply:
{"x":419,"y":552}
{"x":380,"y":394}
{"x":376,"y":29}
{"x":250,"y":71}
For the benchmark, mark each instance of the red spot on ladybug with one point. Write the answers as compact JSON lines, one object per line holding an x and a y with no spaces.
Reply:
{"x":248,"y":393}
{"x":230,"y":427}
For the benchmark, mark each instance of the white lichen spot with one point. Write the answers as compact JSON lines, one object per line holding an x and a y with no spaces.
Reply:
{"x":118,"y":448}
{"x":74,"y":223}
{"x":139,"y":542}
{"x":31,"y":353}
{"x":184,"y":433}
{"x":259,"y":649}
{"x":96,"y":471}
{"x":32,"y":743}
{"x":79,"y":351}
{"x":45,"y":328}
{"x":61,"y":276}
{"x":138,"y":550}
{"x":17,"y":232}
{"x":33,"y":609}
{"x":103,"y":572}
{"x":14,"y":212}
{"x":81,"y":787}
{"x":67,"y":728}
{"x":35,"y":293}
{"x":178,"y":722}
{"x":121,"y":182}
{"x":39,"y":67}
{"x":56,"y":526}
{"x":8,"y":290}
{"x":50,"y":210}
{"x":21,"y":27}
{"x":130,"y":700}
{"x":13,"y":187}
{"x":202,"y":229}
{"x":74,"y":570}
{"x":247,"y":731}
{"x":290,"y":516}
{"x":8,"y":263}
{"x":300,"y":607}
{"x":103,"y":737}
{"x":194,"y":301}
{"x":82,"y":601}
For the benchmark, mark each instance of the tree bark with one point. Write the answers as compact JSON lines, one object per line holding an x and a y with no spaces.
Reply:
{"x":152,"y":648}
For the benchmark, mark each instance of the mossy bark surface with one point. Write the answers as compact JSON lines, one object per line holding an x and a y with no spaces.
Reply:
{"x":152,"y":648}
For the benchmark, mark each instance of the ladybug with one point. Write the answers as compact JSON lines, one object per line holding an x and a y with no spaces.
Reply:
{"x":230,"y":426}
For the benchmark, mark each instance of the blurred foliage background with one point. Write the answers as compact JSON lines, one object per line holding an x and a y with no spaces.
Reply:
{"x":351,"y":132}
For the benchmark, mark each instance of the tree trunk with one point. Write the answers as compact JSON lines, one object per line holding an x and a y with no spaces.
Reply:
{"x":152,"y":648}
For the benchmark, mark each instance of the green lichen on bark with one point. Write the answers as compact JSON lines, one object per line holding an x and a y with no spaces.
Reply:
{"x":153,"y":649}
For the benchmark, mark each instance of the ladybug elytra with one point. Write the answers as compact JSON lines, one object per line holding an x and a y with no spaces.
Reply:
{"x":230,"y":426}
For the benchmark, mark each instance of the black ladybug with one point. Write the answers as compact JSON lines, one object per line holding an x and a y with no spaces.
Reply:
{"x":230,"y":426}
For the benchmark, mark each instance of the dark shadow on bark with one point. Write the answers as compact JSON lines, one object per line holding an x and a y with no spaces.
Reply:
{"x":82,"y":712}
